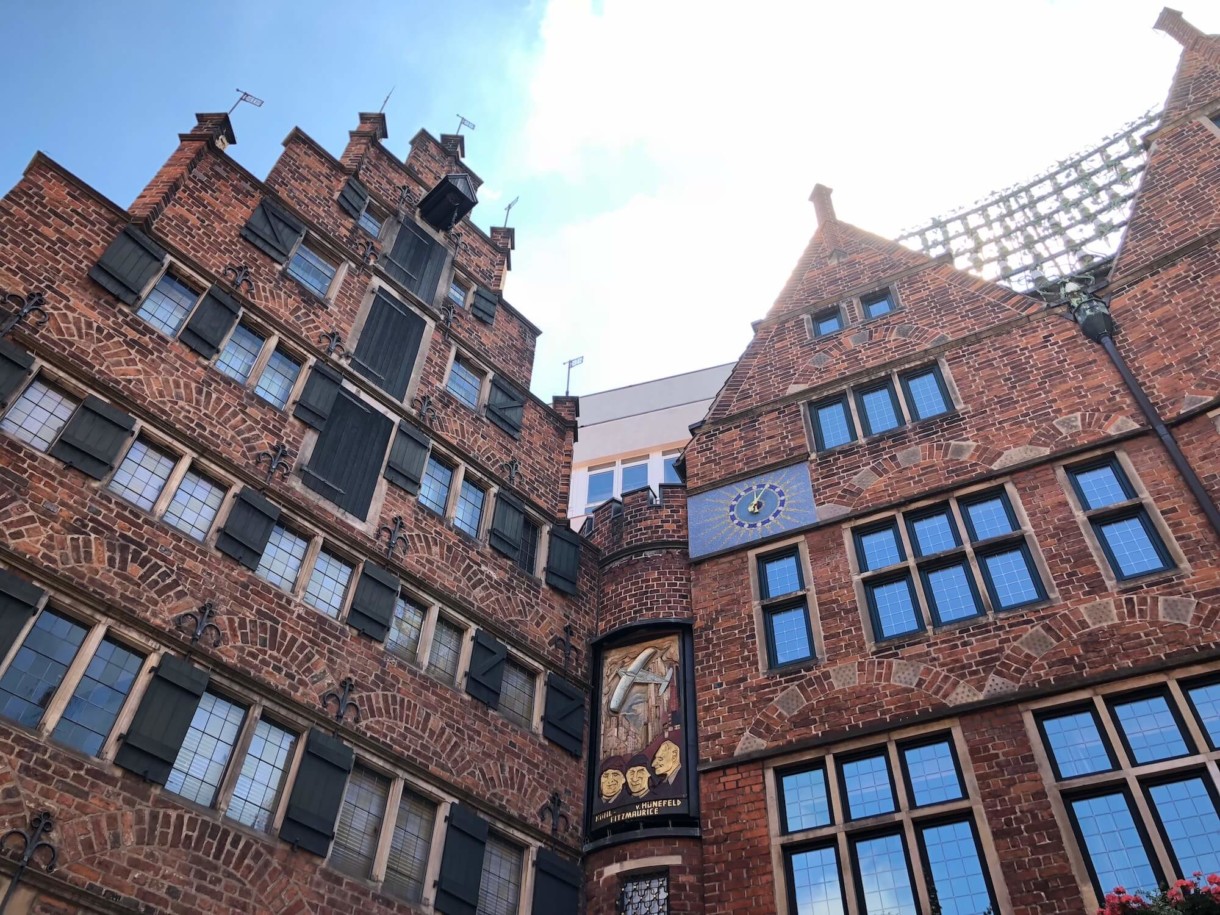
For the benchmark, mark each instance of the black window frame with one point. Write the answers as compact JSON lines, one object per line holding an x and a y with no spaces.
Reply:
{"x":846,"y":759}
{"x":1018,"y":542}
{"x":977,"y":498}
{"x":889,"y":578}
{"x":1120,"y":787}
{"x":951,"y":819}
{"x":859,"y":533}
{"x":868,"y":300}
{"x":763,"y":559}
{"x":1156,"y":692}
{"x":943,"y":562}
{"x":781,"y":797}
{"x":928,"y":740}
{"x":934,"y":370}
{"x":1177,"y":775}
{"x":855,"y":839}
{"x":883,"y":384}
{"x":1132,"y":507}
{"x":769,"y":614}
{"x":1196,"y":683}
{"x":528,"y":524}
{"x":791,"y":851}
{"x":834,"y":311}
{"x":1065,"y":711}
{"x":912,"y":518}
{"x":819,"y":440}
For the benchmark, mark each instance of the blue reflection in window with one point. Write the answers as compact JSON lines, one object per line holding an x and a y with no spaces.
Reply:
{"x":827,"y":323}
{"x":1188,"y":814}
{"x":790,"y":635}
{"x":1206,"y":700}
{"x":1012,"y":579}
{"x":894,"y":607}
{"x":98,"y":697}
{"x":867,"y":784}
{"x":806,"y":799}
{"x":38,"y":668}
{"x":1099,"y":486}
{"x":781,"y":575}
{"x":880,"y":414}
{"x":933,"y":533}
{"x":1132,"y":546}
{"x":1151,"y":730}
{"x":1113,"y":844}
{"x":815,"y":882}
{"x":926,"y":397}
{"x":833,"y":424}
{"x":988,"y":518}
{"x":879,"y":548}
{"x":932,"y":774}
{"x":1076,"y":744}
{"x":957,"y":873}
{"x":885,"y":880}
{"x":952,"y":594}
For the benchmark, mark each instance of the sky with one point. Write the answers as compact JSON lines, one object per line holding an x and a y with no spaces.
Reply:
{"x":662,"y":151}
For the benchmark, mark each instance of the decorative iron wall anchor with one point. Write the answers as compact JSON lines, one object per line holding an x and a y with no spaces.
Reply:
{"x":552,"y":810}
{"x":277,"y":461}
{"x":448,"y":313}
{"x":564,"y":643}
{"x":196,"y":623}
{"x":404,"y":201}
{"x":512,"y":469}
{"x":343,"y":701}
{"x":368,"y":257}
{"x":396,"y":536}
{"x":32,"y":842}
{"x":428,"y":414}
{"x":238,"y":276}
{"x":334,"y":343}
{"x":27,"y":305}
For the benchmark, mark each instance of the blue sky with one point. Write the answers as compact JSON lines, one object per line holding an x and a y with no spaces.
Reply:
{"x":663,"y":150}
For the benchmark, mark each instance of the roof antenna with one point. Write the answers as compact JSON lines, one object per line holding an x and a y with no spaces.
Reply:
{"x":508,"y":209}
{"x":248,"y":98}
{"x":381,"y":110}
{"x":571,"y":364}
{"x":462,"y":122}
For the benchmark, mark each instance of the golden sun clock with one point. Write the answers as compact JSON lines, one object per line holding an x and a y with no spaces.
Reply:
{"x":751,"y":510}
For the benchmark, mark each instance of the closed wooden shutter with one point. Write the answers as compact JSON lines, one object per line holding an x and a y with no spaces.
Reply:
{"x":457,"y":887}
{"x":151,"y":744}
{"x":373,"y":603}
{"x":483,"y":304}
{"x":506,"y":526}
{"x":93,"y":437}
{"x":211,"y":323}
{"x":127,"y":266}
{"x":273,"y":231}
{"x":346,"y":460}
{"x":389,"y":345}
{"x":318,"y":396}
{"x":248,"y":528}
{"x":416,"y":260}
{"x":18,"y":601}
{"x":353,"y":198}
{"x":486,"y":674}
{"x":506,"y":406}
{"x":557,"y":884}
{"x":563,"y":559}
{"x":563,"y":719}
{"x":317,"y":793}
{"x":408,"y":456}
{"x":15,"y":367}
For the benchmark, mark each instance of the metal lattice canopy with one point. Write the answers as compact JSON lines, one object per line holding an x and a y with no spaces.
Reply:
{"x":1052,"y":226}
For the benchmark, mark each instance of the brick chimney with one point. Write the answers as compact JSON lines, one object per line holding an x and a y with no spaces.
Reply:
{"x":371,"y":129}
{"x":505,"y":239}
{"x":211,"y":130}
{"x":1172,"y":24}
{"x":455,"y":144}
{"x":827,"y":220}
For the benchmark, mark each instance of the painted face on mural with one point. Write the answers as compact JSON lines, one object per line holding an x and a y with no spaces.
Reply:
{"x":667,"y":760}
{"x":611,"y":784}
{"x":639,"y":779}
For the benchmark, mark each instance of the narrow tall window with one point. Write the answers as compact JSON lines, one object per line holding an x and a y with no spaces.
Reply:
{"x":360,"y":818}
{"x":517,"y":693}
{"x":370,"y":221}
{"x":925,"y":392}
{"x":878,"y":407}
{"x":464,"y":383}
{"x":469,"y":513}
{"x":867,"y":785}
{"x":142,"y":475}
{"x":205,"y":752}
{"x":886,"y":886}
{"x":38,"y":415}
{"x":434,"y":489}
{"x":500,"y":889}
{"x":408,"y":626}
{"x":600,"y":487}
{"x":527,"y":556}
{"x":1120,"y":519}
{"x":805,"y":799}
{"x":832,"y":423}
{"x":457,"y":293}
{"x":446,"y":651}
{"x":311,"y":270}
{"x":240,"y":353}
{"x":785,"y":611}
{"x":98,"y":697}
{"x":167,"y":306}
{"x":195,"y":505}
{"x":281,"y":560}
{"x":262,"y":775}
{"x":327,"y":588}
{"x":277,"y":380}
{"x":39,"y":667}
{"x":410,"y":846}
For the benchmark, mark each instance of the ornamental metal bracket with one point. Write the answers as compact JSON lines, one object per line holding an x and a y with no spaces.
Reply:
{"x":565,"y":644}
{"x":27,"y":305}
{"x":334,"y":344}
{"x":512,"y":469}
{"x":428,"y":414}
{"x":277,"y":462}
{"x":343,"y":700}
{"x":404,"y":201}
{"x":196,"y":624}
{"x":32,"y":842}
{"x":368,"y":257}
{"x":553,"y":810}
{"x":238,"y":276}
{"x":448,"y":313}
{"x":396,"y":536}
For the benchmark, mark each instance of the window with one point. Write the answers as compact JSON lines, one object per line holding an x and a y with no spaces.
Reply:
{"x":879,"y":410}
{"x":360,"y":819}
{"x":262,"y":775}
{"x":669,"y":474}
{"x":457,"y":293}
{"x":781,"y":588}
{"x":804,"y":799}
{"x":98,"y":697}
{"x":930,"y":770}
{"x":38,"y":668}
{"x":277,"y":379}
{"x":38,"y":415}
{"x":877,"y":304}
{"x":327,"y":588}
{"x":500,"y":889}
{"x":601,"y":487}
{"x":407,"y":628}
{"x":635,"y":476}
{"x":469,"y":513}
{"x":142,"y":475}
{"x":827,"y":321}
{"x":446,"y":653}
{"x":527,"y":554}
{"x":868,"y":788}
{"x":195,"y":505}
{"x":410,"y":847}
{"x":370,"y":221}
{"x":1119,"y":519}
{"x":925,"y":392}
{"x":645,"y":895}
{"x":239,"y":354}
{"x":464,"y":383}
{"x":880,"y":406}
{"x":205,"y":752}
{"x":282,"y":558}
{"x":517,"y":693}
{"x":168,"y":305}
{"x":832,"y":423}
{"x":311,"y":270}
{"x":434,"y":489}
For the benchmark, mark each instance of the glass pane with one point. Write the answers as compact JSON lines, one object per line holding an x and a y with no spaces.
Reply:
{"x":457,"y":293}
{"x":464,"y":384}
{"x":1133,"y":549}
{"x":1188,"y":813}
{"x":359,"y":826}
{"x":880,"y":415}
{"x":403,"y":638}
{"x":38,"y":668}
{"x":194,"y":506}
{"x":370,"y":223}
{"x":409,"y":847}
{"x":878,"y":304}
{"x":878,"y":548}
{"x":238,"y":356}
{"x":262,"y":774}
{"x":781,"y":575}
{"x":311,"y":270}
{"x":635,"y":476}
{"x":833,"y":424}
{"x":98,"y":697}
{"x":827,"y":323}
{"x":205,"y":752}
{"x":527,"y":556}
{"x":500,"y":889}
{"x":895,"y":609}
{"x":951,"y":594}
{"x":167,"y":305}
{"x":957,"y":873}
{"x":446,"y":650}
{"x":517,"y":693}
{"x":1076,"y":744}
{"x":1206,"y":700}
{"x":815,"y":882}
{"x":670,"y":475}
{"x":434,"y":489}
{"x":885,"y":880}
{"x":645,"y":895}
{"x":328,"y":584}
{"x":1099,"y":486}
{"x":281,"y":560}
{"x":932,"y":774}
{"x":806,"y":799}
{"x":142,"y":475}
{"x":1012,"y":579}
{"x":927,"y":399}
{"x":601,"y":486}
{"x":469,"y":512}
{"x":1151,"y":730}
{"x":38,"y":415}
{"x":867,"y":785}
{"x":1113,"y":844}
{"x":275,"y":384}
{"x":790,"y":635}
{"x":933,"y":533}
{"x":988,"y":518}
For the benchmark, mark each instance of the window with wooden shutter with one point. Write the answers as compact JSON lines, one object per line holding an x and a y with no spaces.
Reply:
{"x":416,"y":260}
{"x":152,"y":742}
{"x":373,"y":603}
{"x":211,"y":323}
{"x":507,"y":525}
{"x":563,"y":721}
{"x":563,"y":559}
{"x":273,"y":231}
{"x":353,"y":198}
{"x":317,"y":793}
{"x":389,"y":344}
{"x":483,"y":305}
{"x":128,"y":265}
{"x":248,"y":528}
{"x":408,"y":455}
{"x":15,"y":366}
{"x":557,"y":884}
{"x":360,"y":819}
{"x":347,"y":457}
{"x":486,"y":674}
{"x":457,"y":887}
{"x":321,"y":387}
{"x":93,"y":437}
{"x":506,"y":406}
{"x":18,"y":601}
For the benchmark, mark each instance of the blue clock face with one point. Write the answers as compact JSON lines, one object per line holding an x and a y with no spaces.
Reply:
{"x":757,"y":505}
{"x":747,"y":511}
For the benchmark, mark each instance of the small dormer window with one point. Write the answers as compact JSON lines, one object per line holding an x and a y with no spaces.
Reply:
{"x":877,"y":304}
{"x":311,"y":270}
{"x":371,"y":221}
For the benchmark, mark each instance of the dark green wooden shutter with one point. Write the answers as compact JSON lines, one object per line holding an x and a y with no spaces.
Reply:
{"x":347,"y":457}
{"x":93,"y":437}
{"x":18,"y":601}
{"x":128,"y":264}
{"x":563,"y":719}
{"x":248,"y":528}
{"x":317,"y":793}
{"x":483,"y":305}
{"x":415,"y":260}
{"x":151,"y":744}
{"x":353,"y":198}
{"x":15,"y":366}
{"x":486,"y":674}
{"x":318,"y":396}
{"x":211,"y":323}
{"x":506,"y":406}
{"x":373,"y":603}
{"x":563,"y":559}
{"x":408,"y":456}
{"x":557,"y":884}
{"x":506,"y":526}
{"x":273,"y":231}
{"x":389,"y":345}
{"x":457,"y":887}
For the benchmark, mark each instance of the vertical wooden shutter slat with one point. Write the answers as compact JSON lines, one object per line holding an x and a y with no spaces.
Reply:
{"x":483,"y":304}
{"x":346,"y":460}
{"x":318,"y":396}
{"x":93,"y":437}
{"x":563,"y":719}
{"x":317,"y":793}
{"x":486,"y":675}
{"x":415,"y":260}
{"x":18,"y":601}
{"x":557,"y":884}
{"x":563,"y":560}
{"x":272,"y":231}
{"x":128,"y":264}
{"x":389,"y":345}
{"x":15,"y":365}
{"x":248,"y":528}
{"x":506,"y":406}
{"x":155,"y":736}
{"x":353,"y":198}
{"x":211,"y":323}
{"x":507,"y":525}
{"x":457,"y":887}
{"x":408,"y":456}
{"x":373,"y":603}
